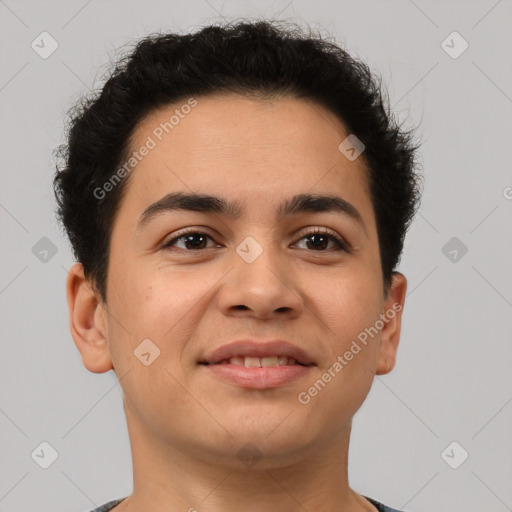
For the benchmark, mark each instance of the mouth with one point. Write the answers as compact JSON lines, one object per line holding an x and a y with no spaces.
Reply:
{"x":260,"y":362}
{"x":257,"y":364}
{"x":253,"y":353}
{"x":257,"y":377}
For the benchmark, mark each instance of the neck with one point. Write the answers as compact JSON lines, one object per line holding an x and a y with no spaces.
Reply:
{"x":178,"y":477}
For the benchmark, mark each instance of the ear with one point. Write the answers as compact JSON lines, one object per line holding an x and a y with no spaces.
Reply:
{"x":392,"y":318}
{"x":88,"y":321}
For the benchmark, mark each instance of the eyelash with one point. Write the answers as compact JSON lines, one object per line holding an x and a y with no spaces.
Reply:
{"x":340,"y":243}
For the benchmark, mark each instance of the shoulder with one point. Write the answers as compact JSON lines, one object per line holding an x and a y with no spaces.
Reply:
{"x":108,"y":506}
{"x":381,"y":507}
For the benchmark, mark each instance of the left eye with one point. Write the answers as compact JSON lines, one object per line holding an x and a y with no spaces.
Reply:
{"x":196,"y":240}
{"x":320,"y":238}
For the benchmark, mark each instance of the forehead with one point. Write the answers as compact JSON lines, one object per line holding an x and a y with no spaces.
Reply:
{"x":258,"y":151}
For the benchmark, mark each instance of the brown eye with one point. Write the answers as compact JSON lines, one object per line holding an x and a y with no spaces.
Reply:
{"x":192,"y":240}
{"x":319,"y":240}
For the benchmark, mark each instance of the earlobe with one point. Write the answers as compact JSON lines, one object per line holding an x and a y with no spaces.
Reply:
{"x":392,"y":318}
{"x":88,"y":322}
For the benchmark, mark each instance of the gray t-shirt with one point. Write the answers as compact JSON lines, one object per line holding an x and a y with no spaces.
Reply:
{"x":380,"y":507}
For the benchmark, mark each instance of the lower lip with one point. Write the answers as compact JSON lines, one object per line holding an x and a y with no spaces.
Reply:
{"x":258,"y":377}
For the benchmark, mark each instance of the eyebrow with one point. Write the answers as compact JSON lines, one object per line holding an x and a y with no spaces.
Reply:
{"x":206,"y":203}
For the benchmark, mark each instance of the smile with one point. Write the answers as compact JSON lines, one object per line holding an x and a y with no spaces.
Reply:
{"x":260,"y":362}
{"x":257,"y":373}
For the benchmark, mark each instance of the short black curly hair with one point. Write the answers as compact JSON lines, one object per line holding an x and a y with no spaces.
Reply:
{"x":259,"y":58}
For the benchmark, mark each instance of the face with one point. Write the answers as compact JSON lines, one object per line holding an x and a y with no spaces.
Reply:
{"x":192,"y":277}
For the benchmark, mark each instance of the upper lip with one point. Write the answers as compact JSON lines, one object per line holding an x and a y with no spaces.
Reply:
{"x":254,"y":348}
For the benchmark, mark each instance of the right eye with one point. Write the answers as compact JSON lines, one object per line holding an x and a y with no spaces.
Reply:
{"x":195,"y":239}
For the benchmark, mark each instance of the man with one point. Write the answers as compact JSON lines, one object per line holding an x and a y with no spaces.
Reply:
{"x":237,"y":201}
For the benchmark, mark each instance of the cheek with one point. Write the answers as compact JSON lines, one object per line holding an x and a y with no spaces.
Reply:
{"x":166,"y":305}
{"x":347,"y":304}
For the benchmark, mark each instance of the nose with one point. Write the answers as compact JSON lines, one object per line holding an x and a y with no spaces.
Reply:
{"x":263,"y":288}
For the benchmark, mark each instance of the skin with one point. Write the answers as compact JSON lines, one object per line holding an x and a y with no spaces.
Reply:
{"x":185,"y":425}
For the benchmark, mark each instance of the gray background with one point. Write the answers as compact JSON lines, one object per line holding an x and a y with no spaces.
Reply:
{"x":453,"y":378}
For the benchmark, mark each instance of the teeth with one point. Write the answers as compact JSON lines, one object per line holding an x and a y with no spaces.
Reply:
{"x":251,"y":362}
{"x":256,"y":362}
{"x":269,"y":361}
